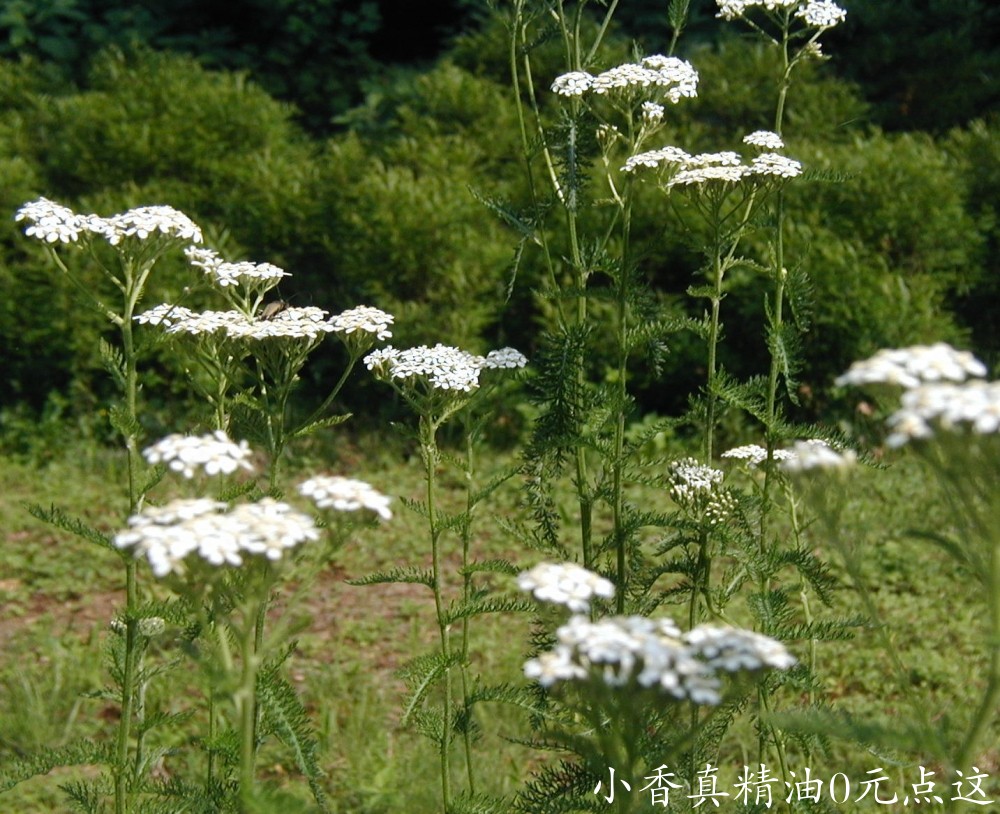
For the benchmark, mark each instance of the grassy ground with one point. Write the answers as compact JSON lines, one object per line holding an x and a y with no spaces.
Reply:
{"x":57,"y":596}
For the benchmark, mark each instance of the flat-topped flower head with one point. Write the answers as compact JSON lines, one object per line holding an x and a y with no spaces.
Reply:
{"x":671,"y":78}
{"x":972,"y":406}
{"x":821,"y":14}
{"x":145,"y":222}
{"x":725,"y":167}
{"x":774,"y":165}
{"x":504,"y":359}
{"x":653,"y":159}
{"x":754,"y":454}
{"x":566,"y":584}
{"x":363,"y":319}
{"x":914,"y":366}
{"x":734,"y":9}
{"x":816,"y":454}
{"x":165,"y":314}
{"x":442,"y":367}
{"x":50,"y":222}
{"x":212,"y":454}
{"x":167,"y":535}
{"x":227,"y":274}
{"x":637,"y":652}
{"x":765,"y":139}
{"x":652,"y":113}
{"x":574,"y":83}
{"x":345,"y":495}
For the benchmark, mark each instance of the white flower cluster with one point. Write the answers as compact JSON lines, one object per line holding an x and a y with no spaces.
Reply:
{"x":676,"y":77}
{"x":653,"y":653}
{"x":755,"y":455}
{"x":567,"y":584}
{"x":213,"y":454}
{"x":54,"y":223}
{"x":504,"y":359}
{"x":443,"y":367}
{"x":292,"y":323}
{"x":654,"y":158}
{"x":227,"y":274}
{"x":166,"y":535}
{"x":364,"y":318}
{"x":733,"y":9}
{"x":821,"y":14}
{"x":973,"y":405}
{"x":652,"y":113}
{"x":913,"y":366}
{"x":764,"y":139}
{"x":690,"y":478}
{"x":817,"y":454}
{"x":345,"y":495}
{"x":776,"y":165}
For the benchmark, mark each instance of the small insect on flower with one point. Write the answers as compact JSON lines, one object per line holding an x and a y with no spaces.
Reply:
{"x":271,"y":310}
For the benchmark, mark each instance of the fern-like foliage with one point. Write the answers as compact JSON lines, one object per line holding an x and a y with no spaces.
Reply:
{"x":74,"y":525}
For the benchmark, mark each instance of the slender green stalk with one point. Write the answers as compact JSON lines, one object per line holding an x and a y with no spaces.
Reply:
{"x":467,"y":589}
{"x":246,"y":701}
{"x":430,"y":455}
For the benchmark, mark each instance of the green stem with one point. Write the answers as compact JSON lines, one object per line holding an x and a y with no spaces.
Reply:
{"x":467,"y":591}
{"x":429,"y":450}
{"x":246,"y":698}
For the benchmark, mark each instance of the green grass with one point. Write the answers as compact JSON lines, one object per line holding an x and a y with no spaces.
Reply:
{"x":57,"y":595}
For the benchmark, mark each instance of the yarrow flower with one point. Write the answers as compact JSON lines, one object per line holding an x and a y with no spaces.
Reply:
{"x":345,"y":495}
{"x":733,"y":9}
{"x":227,"y":274}
{"x":167,"y":535}
{"x":652,"y":113}
{"x":764,"y":139}
{"x":364,"y":319}
{"x":653,"y":653}
{"x":655,"y":158}
{"x":50,"y":222}
{"x":972,"y":405}
{"x":821,"y":14}
{"x":755,"y":455}
{"x":726,"y":166}
{"x":213,"y":454}
{"x":697,"y":488}
{"x":55,"y":223}
{"x":676,"y":77}
{"x":775,"y":165}
{"x":913,"y":366}
{"x":574,"y":83}
{"x":165,"y":314}
{"x":817,"y":454}
{"x":292,"y":323}
{"x":442,"y":367}
{"x":566,"y":584}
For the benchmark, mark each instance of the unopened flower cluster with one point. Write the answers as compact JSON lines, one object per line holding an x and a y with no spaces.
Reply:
{"x":229,"y":274}
{"x":676,"y":77}
{"x":698,"y":489}
{"x":442,"y":367}
{"x":654,"y":654}
{"x":566,"y":584}
{"x":211,"y":454}
{"x":167,"y":535}
{"x":54,"y":223}
{"x":345,"y":495}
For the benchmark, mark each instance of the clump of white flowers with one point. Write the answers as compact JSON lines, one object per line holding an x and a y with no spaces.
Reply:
{"x":363,"y":319}
{"x":212,"y":454}
{"x":754,"y":454}
{"x":973,"y":406}
{"x":914,"y":366}
{"x":818,"y":14}
{"x":345,"y":495}
{"x":307,"y":322}
{"x":815,"y":453}
{"x":674,"y":78}
{"x":227,"y":274}
{"x":566,"y":584}
{"x":167,"y":535}
{"x":441,"y":368}
{"x":54,"y":223}
{"x":639,"y":652}
{"x":725,"y":167}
